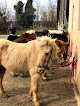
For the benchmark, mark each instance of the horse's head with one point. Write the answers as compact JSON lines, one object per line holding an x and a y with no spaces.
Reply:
{"x":44,"y":47}
{"x":62,"y":49}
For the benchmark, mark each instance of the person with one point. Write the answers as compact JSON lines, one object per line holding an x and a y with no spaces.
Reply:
{"x":12,"y":31}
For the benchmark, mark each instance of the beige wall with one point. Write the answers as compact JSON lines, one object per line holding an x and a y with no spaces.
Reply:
{"x":74,"y":31}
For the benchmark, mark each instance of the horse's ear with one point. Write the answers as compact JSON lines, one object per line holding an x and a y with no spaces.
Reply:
{"x":52,"y":41}
{"x":59,"y":44}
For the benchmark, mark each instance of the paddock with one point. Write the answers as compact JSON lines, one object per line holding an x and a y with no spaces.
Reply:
{"x":55,"y":91}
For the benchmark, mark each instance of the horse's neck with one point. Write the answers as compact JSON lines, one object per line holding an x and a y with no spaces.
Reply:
{"x":32,"y":46}
{"x":54,"y":51}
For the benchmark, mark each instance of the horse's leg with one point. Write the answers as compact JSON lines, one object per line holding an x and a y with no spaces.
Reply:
{"x":2,"y":72}
{"x":30,"y":93}
{"x":44,"y":76}
{"x":34,"y":89}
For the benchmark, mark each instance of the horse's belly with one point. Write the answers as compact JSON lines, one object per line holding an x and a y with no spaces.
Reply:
{"x":17,"y":69}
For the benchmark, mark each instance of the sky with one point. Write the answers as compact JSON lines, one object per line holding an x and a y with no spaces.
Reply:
{"x":11,"y":3}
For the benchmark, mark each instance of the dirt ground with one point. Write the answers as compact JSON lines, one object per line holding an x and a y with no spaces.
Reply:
{"x":54,"y":92}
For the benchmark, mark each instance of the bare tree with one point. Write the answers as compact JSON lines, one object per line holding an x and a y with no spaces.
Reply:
{"x":37,"y":14}
{"x":5,"y":14}
{"x":52,"y":13}
{"x":44,"y":18}
{"x":46,"y":15}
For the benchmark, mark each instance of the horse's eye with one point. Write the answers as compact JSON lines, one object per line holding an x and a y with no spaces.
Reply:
{"x":47,"y":54}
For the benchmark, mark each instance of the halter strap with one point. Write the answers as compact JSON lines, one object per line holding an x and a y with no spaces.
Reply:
{"x":56,"y":55}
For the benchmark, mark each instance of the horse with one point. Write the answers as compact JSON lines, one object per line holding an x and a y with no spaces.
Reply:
{"x":28,"y":36}
{"x":24,"y":58}
{"x":61,"y":35}
{"x":42,"y":33}
{"x":30,"y":31}
{"x":22,"y":40}
{"x":25,"y":37}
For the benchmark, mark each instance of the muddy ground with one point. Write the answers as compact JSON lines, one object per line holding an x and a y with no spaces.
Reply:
{"x":54,"y":92}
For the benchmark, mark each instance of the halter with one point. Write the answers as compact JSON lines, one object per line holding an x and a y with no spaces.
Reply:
{"x":56,"y":56}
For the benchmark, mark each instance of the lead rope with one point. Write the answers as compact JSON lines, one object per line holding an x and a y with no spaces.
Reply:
{"x":74,"y":63}
{"x":73,"y":67}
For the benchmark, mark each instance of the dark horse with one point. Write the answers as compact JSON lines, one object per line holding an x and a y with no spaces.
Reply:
{"x":61,"y":36}
{"x":42,"y":33}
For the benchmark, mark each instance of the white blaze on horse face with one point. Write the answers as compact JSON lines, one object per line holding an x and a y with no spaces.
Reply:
{"x":61,"y":55}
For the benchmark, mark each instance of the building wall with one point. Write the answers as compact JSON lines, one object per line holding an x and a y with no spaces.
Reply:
{"x":74,"y":32}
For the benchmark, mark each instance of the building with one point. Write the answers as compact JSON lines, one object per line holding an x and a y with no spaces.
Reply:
{"x":62,"y":14}
{"x":74,"y":33}
{"x":68,"y":17}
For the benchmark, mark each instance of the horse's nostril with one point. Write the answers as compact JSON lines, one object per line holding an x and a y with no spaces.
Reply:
{"x":47,"y":53}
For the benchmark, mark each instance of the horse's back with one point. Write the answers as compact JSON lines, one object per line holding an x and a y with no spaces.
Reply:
{"x":4,"y":44}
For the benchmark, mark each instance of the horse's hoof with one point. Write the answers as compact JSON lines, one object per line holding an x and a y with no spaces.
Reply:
{"x":5,"y":95}
{"x":36,"y":103}
{"x":23,"y":76}
{"x":13,"y":75}
{"x":45,"y":79}
{"x":30,"y":98}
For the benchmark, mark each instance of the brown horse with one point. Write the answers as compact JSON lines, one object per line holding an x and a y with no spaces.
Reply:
{"x":22,"y":40}
{"x":25,"y":37}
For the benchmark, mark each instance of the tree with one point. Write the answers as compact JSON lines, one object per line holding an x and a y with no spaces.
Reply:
{"x":47,"y":14}
{"x":19,"y":12}
{"x":4,"y":17}
{"x":25,"y":18}
{"x":44,"y":18}
{"x":29,"y":14}
{"x":37,"y":12}
{"x":52,"y":14}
